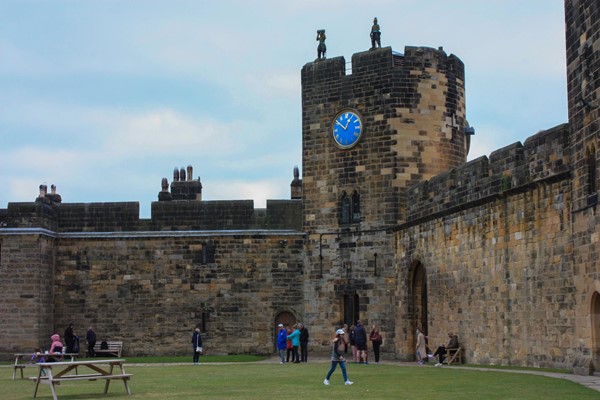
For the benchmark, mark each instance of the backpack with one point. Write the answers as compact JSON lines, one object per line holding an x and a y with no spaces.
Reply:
{"x":104,"y":345}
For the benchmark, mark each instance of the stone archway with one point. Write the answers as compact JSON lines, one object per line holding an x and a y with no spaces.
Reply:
{"x":419,"y":299}
{"x":595,"y":314}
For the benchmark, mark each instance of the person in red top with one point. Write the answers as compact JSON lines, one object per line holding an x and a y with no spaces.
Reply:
{"x":290,"y":348}
{"x":376,"y":340}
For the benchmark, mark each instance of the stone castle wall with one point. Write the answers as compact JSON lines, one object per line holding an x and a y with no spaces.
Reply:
{"x":495,"y":240}
{"x":583,"y":85}
{"x":213,"y":263}
{"x":27,"y":290}
{"x":150,"y":289}
{"x":166,"y":216}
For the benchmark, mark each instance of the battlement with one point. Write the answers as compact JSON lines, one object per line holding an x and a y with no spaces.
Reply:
{"x":384,"y":60}
{"x":544,"y":156}
{"x":166,"y":216}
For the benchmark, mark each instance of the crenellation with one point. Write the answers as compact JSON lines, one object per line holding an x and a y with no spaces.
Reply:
{"x":547,"y":152}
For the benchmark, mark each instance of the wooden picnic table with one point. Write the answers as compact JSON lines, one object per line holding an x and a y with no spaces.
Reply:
{"x":23,"y":360}
{"x":56,"y":372}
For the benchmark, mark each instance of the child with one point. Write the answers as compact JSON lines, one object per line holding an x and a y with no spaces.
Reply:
{"x":37,"y":356}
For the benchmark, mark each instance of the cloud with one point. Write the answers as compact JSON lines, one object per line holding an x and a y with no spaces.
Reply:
{"x":162,"y":132}
{"x":259,"y":190}
{"x":21,"y":188}
{"x":275,"y":85}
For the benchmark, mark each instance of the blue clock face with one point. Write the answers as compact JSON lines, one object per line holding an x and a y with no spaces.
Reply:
{"x":347,"y":129}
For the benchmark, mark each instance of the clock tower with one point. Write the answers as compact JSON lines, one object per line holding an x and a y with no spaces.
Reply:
{"x":393,"y":121}
{"x":370,"y":130}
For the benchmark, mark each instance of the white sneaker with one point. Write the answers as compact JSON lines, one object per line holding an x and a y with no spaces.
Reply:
{"x":326,"y":382}
{"x":438,"y":365}
{"x":348,"y":383}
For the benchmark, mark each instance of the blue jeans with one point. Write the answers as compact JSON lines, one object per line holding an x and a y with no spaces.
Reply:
{"x":342,"y":366}
{"x":282,"y":355}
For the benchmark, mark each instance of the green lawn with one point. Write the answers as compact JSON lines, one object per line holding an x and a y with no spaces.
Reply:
{"x":305,"y":381}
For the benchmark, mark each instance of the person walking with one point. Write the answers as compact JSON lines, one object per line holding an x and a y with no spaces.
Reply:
{"x":90,"y":337}
{"x":337,"y":357}
{"x":303,"y":342}
{"x":197,"y":344}
{"x":421,"y":347}
{"x":376,"y":340}
{"x":281,"y":343}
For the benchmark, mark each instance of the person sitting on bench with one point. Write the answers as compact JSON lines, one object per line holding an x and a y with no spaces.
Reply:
{"x":442,"y":350}
{"x":56,"y":349}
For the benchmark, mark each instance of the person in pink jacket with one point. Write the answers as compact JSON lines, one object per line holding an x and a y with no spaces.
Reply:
{"x":56,"y":348}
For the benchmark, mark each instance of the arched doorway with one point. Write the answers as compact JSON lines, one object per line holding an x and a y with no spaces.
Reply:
{"x":351,"y":308}
{"x":287,"y":318}
{"x":595,"y":312}
{"x":419,"y":299}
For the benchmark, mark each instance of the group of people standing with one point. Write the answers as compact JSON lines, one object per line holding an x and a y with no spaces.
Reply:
{"x":290,"y":340}
{"x":356,"y":337}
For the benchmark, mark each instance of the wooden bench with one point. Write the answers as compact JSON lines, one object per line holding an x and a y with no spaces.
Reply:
{"x":115,"y":348}
{"x":454,"y":356}
{"x":47,"y":375}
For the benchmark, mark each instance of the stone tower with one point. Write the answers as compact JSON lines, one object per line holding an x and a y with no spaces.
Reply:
{"x":583,"y":80}
{"x":583,"y":84}
{"x":413,"y":115}
{"x":368,"y":134}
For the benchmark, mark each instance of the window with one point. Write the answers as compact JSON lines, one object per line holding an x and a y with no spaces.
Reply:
{"x":355,"y":207}
{"x":346,"y":206}
{"x":208,"y":253}
{"x":204,"y":321}
{"x":350,"y":208}
{"x":591,"y":165}
{"x":351,"y":308}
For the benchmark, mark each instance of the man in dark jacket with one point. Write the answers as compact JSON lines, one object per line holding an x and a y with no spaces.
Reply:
{"x":197,"y":344}
{"x":360,"y":336}
{"x":69,"y":338}
{"x":303,"y":342}
{"x":443,"y":350}
{"x":90,"y":337}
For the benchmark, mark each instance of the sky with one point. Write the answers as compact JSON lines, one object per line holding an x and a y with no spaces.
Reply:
{"x":104,"y":98}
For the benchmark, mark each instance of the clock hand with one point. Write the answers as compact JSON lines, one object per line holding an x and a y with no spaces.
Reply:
{"x":338,"y":122}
